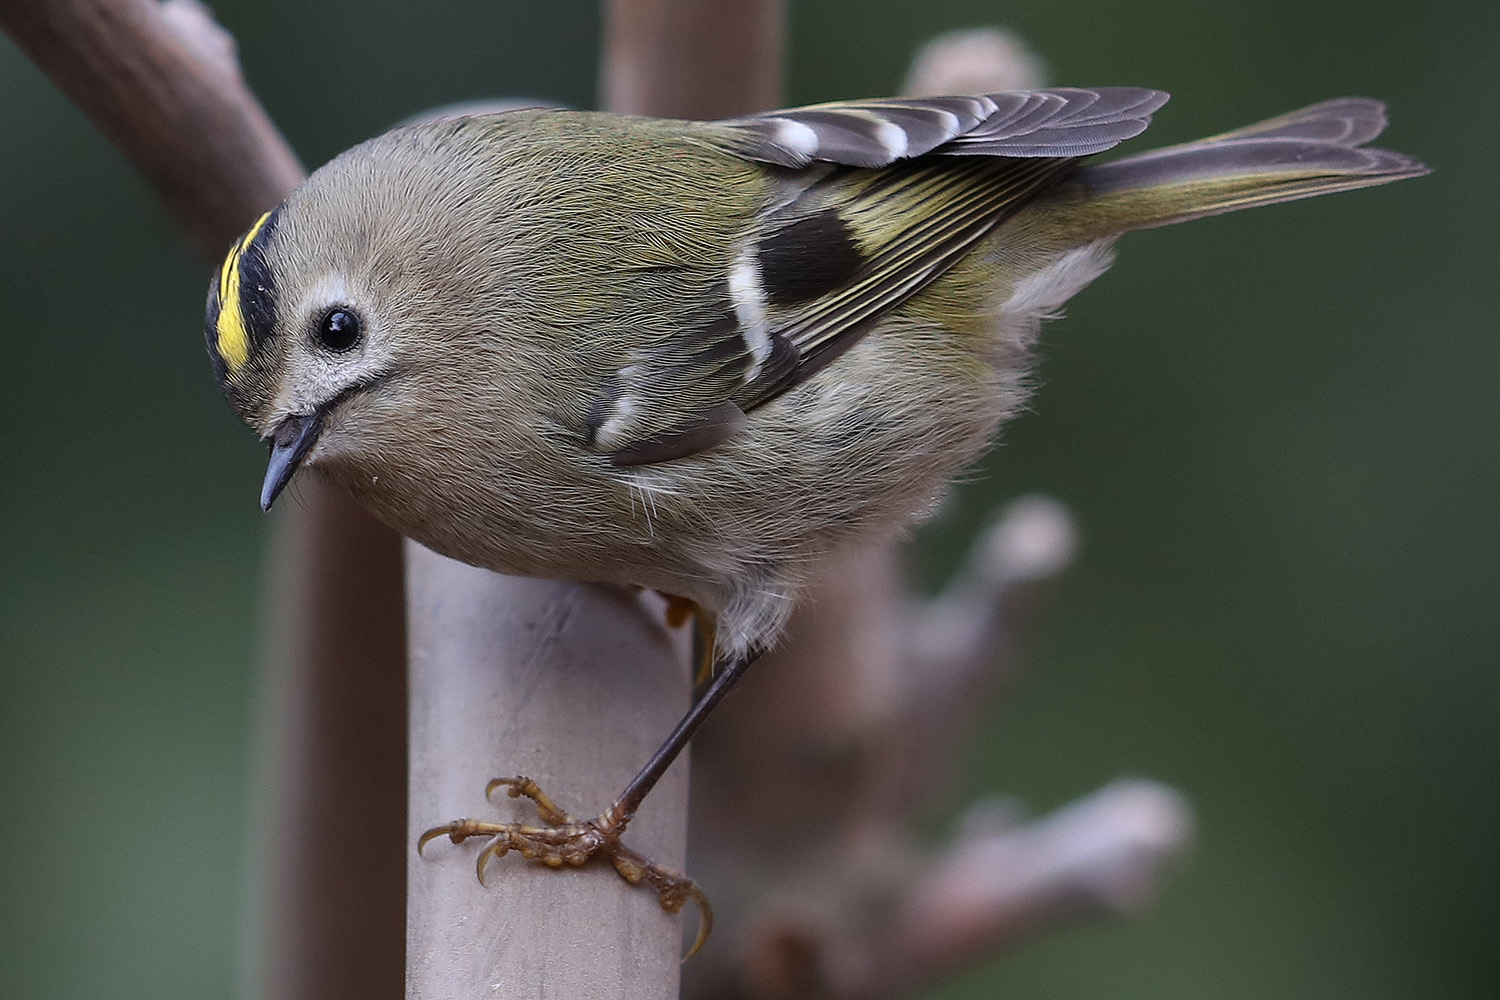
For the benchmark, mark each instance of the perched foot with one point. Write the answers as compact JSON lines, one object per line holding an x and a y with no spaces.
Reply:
{"x":566,"y":841}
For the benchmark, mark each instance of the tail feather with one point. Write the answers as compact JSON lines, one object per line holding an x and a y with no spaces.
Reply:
{"x":1313,"y":151}
{"x":1344,"y":121}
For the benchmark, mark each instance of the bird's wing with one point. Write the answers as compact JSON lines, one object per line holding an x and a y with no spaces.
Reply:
{"x":873,"y":208}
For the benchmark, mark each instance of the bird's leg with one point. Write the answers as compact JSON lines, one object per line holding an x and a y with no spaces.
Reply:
{"x":566,"y":841}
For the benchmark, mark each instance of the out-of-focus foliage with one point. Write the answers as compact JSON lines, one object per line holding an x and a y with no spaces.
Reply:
{"x":1278,"y":430}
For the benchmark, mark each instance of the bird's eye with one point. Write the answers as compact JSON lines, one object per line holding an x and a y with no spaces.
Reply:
{"x":339,"y":330}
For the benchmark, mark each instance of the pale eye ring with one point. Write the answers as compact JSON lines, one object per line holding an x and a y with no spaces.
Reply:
{"x":339,"y":330}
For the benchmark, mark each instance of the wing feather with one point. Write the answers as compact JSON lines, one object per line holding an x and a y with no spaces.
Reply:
{"x":1064,"y":121}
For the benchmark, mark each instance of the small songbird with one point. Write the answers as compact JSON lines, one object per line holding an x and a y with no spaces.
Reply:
{"x":699,"y":356}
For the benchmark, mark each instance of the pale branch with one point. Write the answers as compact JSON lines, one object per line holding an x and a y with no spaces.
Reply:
{"x":999,"y":885}
{"x":574,"y":687}
{"x":571,"y":685}
{"x":805,"y":790}
{"x":1002,"y":882}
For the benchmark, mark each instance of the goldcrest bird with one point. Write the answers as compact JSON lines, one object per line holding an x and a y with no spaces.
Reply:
{"x":699,"y":356}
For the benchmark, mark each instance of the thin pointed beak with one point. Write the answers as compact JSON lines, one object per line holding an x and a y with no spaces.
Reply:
{"x":290,"y":443}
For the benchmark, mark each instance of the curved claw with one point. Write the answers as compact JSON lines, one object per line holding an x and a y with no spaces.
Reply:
{"x":429,"y":836}
{"x":496,"y":848}
{"x":705,"y":921}
{"x":458,"y":831}
{"x":673,"y":889}
{"x":512,"y":785}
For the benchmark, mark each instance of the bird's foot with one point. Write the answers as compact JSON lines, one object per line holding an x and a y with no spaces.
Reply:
{"x":566,"y":841}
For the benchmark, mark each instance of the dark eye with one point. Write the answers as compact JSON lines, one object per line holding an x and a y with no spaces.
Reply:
{"x":339,"y":330}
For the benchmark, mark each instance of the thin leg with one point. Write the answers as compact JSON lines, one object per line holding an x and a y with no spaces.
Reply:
{"x":640,"y":786}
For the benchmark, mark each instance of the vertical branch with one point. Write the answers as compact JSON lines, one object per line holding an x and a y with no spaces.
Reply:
{"x":333,"y":723}
{"x":161,"y":80}
{"x":569,"y":684}
{"x":680,"y":59}
{"x":574,"y":686}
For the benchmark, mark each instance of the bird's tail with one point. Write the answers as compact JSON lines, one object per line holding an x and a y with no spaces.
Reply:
{"x":1313,"y":151}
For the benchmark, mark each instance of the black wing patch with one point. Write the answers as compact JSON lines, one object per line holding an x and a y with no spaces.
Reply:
{"x":811,"y":256}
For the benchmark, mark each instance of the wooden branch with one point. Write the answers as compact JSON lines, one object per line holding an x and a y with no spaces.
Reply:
{"x":568,"y":684}
{"x":1003,"y":883}
{"x":333,"y":721}
{"x":680,"y":59}
{"x":161,"y":81}
{"x":862,"y":736}
{"x":573,"y":686}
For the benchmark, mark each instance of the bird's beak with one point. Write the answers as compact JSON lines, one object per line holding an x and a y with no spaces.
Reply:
{"x":292,"y":439}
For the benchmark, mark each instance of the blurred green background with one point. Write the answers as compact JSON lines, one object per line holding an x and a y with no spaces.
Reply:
{"x":1279,"y":432}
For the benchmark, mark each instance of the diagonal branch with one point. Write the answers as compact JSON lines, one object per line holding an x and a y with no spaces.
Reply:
{"x":162,"y":83}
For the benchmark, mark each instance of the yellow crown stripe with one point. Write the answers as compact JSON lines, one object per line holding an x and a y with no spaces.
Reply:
{"x":233,"y":335}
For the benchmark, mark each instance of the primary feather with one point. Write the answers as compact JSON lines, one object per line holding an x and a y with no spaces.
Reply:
{"x":1064,"y":121}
